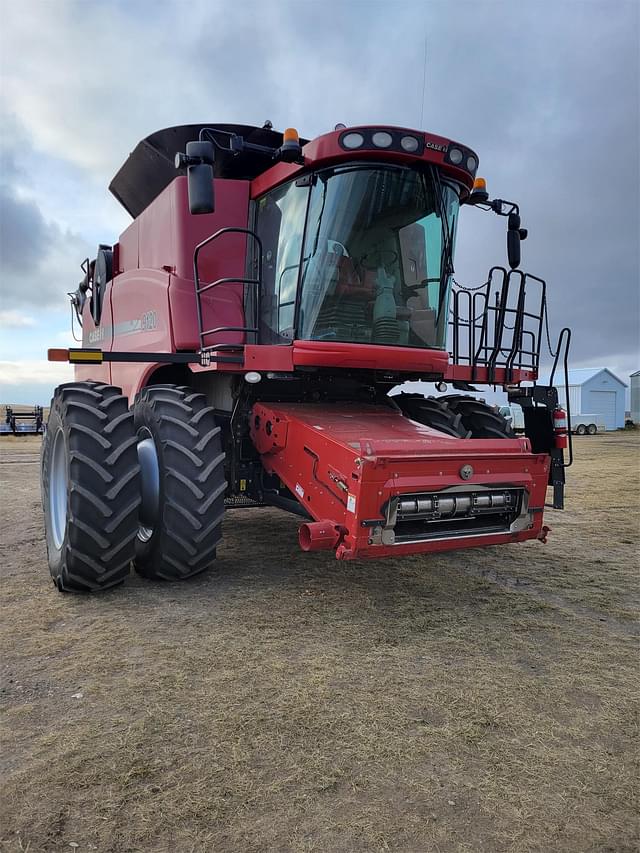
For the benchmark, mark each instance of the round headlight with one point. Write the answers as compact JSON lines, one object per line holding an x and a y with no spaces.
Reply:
{"x":455,"y":156}
{"x":472,"y":164}
{"x":409,"y":143}
{"x":352,"y":140}
{"x":382,"y":139}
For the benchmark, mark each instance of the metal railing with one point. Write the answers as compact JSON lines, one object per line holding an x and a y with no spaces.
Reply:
{"x":255,"y":283}
{"x":500,"y":323}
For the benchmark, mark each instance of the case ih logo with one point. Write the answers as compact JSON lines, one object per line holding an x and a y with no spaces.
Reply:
{"x":434,"y":146}
{"x":98,"y":334}
{"x":146,"y":323}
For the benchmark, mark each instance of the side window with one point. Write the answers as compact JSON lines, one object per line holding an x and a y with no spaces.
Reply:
{"x":280,"y":227}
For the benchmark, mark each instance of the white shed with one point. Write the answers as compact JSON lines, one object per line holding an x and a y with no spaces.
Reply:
{"x":635,"y":397}
{"x":594,"y":391}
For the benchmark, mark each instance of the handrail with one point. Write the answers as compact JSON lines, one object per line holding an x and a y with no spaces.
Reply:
{"x":255,"y":282}
{"x":500,"y":324}
{"x":564,"y":337}
{"x":228,"y":280}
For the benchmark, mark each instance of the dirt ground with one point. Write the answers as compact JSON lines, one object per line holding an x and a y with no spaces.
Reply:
{"x":473,"y":701}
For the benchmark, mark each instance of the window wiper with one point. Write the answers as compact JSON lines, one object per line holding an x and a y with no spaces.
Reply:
{"x":446,"y":257}
{"x":325,"y":182}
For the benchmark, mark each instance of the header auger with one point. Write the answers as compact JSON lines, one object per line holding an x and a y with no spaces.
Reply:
{"x":240,"y":346}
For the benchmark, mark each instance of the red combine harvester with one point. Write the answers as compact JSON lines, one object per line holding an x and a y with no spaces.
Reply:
{"x":255,"y":317}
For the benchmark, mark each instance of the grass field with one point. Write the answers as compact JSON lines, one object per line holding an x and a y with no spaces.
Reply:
{"x":473,"y":701}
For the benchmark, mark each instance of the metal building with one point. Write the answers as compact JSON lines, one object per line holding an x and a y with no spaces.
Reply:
{"x":595,"y":391}
{"x":635,"y":396}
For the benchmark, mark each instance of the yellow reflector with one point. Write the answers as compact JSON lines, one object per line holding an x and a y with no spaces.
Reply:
{"x":82,"y":356}
{"x":290,"y":135}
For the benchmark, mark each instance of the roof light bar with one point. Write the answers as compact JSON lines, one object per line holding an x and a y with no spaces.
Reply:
{"x":390,"y":139}
{"x":352,"y":140}
{"x":462,"y":158}
{"x":382,"y":138}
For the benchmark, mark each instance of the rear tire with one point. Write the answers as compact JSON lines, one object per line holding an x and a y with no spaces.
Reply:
{"x":431,"y":412}
{"x":480,"y":419}
{"x":592,"y":429}
{"x":183,"y":483}
{"x":90,"y":487}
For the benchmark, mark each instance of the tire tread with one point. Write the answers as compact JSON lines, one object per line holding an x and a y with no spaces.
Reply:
{"x":103,"y":486}
{"x":193,"y":484}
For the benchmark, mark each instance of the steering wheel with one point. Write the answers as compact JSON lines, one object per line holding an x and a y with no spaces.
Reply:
{"x":378,"y":258}
{"x":335,"y":247}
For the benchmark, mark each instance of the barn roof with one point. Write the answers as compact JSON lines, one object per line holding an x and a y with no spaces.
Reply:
{"x":580,"y":375}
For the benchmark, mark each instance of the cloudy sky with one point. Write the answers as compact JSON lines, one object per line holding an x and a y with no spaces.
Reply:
{"x":547,"y":94}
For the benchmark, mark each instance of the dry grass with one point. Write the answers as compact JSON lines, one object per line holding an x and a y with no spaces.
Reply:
{"x":286,"y":702}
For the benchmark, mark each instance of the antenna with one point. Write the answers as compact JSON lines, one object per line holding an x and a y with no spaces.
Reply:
{"x":424,"y":83}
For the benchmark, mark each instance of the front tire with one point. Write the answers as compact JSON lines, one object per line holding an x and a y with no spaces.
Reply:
{"x":480,"y":419}
{"x":90,"y":487}
{"x":183,"y":483}
{"x":431,"y":412}
{"x":581,"y":429}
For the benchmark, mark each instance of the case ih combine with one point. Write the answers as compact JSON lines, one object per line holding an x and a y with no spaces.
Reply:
{"x":241,"y":339}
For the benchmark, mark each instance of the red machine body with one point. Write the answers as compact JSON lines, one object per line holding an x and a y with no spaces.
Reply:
{"x":347,"y":464}
{"x":151,"y":295}
{"x":306,"y":419}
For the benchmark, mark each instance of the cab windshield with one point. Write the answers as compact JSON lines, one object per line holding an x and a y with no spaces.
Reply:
{"x":373,"y":264}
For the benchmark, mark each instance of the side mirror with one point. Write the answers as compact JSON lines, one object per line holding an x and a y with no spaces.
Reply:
{"x":102,"y":274}
{"x":513,"y":241}
{"x":199,"y":162}
{"x":513,"y":249}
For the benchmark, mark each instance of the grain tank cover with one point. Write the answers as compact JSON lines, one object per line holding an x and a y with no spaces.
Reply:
{"x":150,"y":167}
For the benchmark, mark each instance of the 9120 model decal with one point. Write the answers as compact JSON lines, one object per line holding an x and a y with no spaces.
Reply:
{"x":147,"y":322}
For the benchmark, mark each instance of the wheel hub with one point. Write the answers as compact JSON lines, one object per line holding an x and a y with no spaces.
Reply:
{"x":150,"y":476}
{"x":58,"y":490}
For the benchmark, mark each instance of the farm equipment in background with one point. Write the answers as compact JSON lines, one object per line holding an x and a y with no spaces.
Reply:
{"x":587,"y":424}
{"x":21,"y":422}
{"x":241,"y":339}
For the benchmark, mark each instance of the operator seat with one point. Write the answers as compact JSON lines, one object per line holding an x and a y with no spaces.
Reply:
{"x":337,"y":300}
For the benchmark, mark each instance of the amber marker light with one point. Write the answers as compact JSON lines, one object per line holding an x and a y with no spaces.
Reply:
{"x":290,"y":150}
{"x":77,"y":356}
{"x":479,"y":193}
{"x":57,"y":355}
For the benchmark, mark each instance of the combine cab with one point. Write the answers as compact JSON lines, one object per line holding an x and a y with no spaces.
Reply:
{"x":241,"y":341}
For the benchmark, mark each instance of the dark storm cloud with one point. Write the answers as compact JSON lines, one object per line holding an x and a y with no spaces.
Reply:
{"x":25,"y":237}
{"x":551,"y":103}
{"x":38,"y":260}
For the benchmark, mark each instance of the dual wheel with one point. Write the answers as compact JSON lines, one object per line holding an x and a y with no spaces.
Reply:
{"x":119,"y":486}
{"x":455,"y":414}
